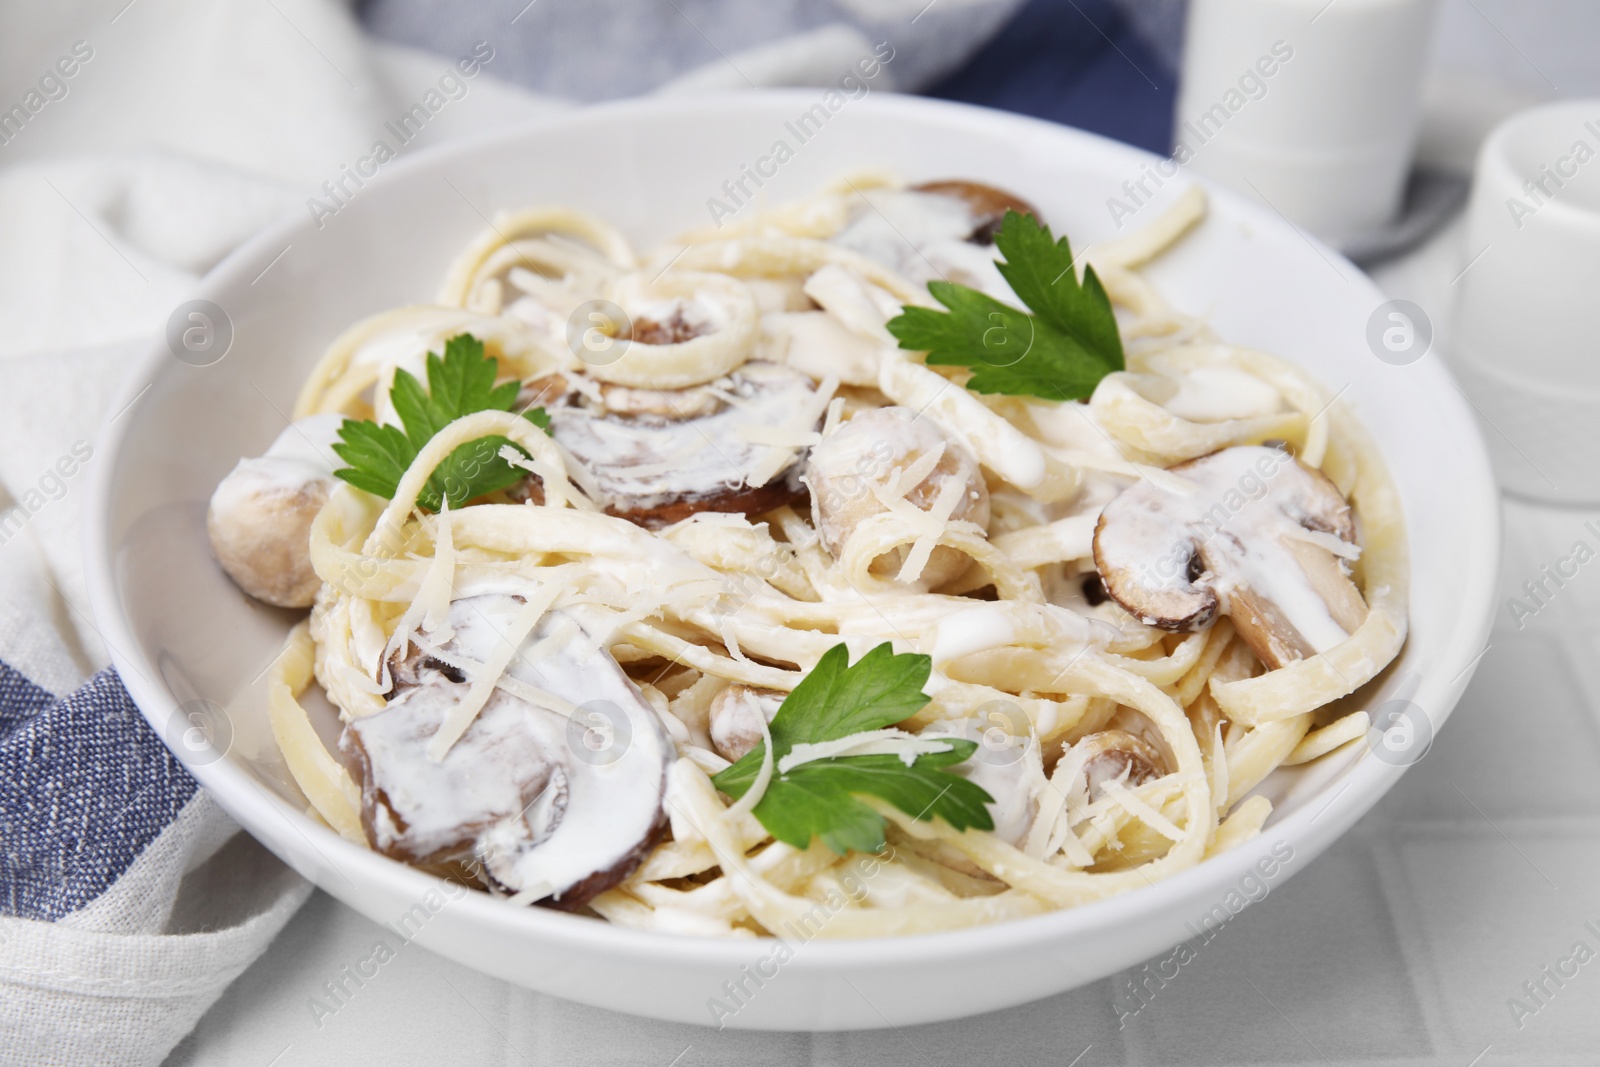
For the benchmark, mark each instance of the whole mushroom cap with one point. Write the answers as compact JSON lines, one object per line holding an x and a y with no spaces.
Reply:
{"x":259,"y":518}
{"x":261,"y":531}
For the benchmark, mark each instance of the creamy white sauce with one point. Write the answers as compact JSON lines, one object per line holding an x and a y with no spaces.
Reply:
{"x":975,"y":629}
{"x":298,"y":460}
{"x":1070,"y":425}
{"x":1245,"y":502}
{"x":501,"y":764}
{"x":1212,"y":394}
{"x":700,"y":316}
{"x":647,"y":462}
{"x":1000,"y":771}
{"x":924,"y":237}
{"x":542,"y":799}
{"x":543,"y":321}
{"x":818,"y":344}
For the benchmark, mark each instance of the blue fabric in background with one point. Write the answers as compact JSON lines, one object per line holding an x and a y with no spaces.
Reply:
{"x":1076,"y":62}
{"x":1101,"y":65}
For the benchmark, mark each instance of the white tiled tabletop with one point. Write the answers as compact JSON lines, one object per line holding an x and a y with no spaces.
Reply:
{"x":1402,"y":945}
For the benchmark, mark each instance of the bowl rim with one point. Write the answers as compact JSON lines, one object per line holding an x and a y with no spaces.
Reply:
{"x":257,"y":810}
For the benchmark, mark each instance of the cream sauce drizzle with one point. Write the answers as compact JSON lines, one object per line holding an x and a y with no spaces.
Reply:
{"x":542,"y":799}
{"x":1245,"y":502}
{"x":1213,"y":394}
{"x":646,"y":462}
{"x":924,"y":237}
{"x":299,"y":457}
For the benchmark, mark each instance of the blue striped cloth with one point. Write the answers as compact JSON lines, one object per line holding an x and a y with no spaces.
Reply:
{"x":85,"y":787}
{"x":1082,"y":63}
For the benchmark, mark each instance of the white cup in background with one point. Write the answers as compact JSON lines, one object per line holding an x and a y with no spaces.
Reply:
{"x":1309,"y":105}
{"x":1525,"y":334}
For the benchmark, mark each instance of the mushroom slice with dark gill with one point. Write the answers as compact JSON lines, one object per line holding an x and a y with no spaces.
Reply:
{"x":848,"y":468}
{"x":1112,"y":755}
{"x":259,"y":518}
{"x":936,"y":230}
{"x":1260,"y":537}
{"x":671,"y":324}
{"x":557,"y":806}
{"x":657,"y":456}
{"x":987,"y":204}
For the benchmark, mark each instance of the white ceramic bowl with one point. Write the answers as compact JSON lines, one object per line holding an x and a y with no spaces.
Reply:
{"x":179,"y":631}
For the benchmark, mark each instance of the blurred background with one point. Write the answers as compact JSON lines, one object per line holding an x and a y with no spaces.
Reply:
{"x":266,"y":99}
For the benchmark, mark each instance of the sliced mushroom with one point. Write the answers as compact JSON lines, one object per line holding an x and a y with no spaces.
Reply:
{"x":259,"y":519}
{"x":671,"y":324}
{"x":676,"y":329}
{"x":558,"y":806}
{"x":657,"y":456}
{"x":1261,"y":538}
{"x":937,"y":230}
{"x":735,"y":725}
{"x":695,"y":402}
{"x":853,"y":469}
{"x":987,"y":204}
{"x":1112,"y":754}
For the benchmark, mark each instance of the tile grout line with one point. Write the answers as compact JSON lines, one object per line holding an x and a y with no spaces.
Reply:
{"x":1411,"y":935}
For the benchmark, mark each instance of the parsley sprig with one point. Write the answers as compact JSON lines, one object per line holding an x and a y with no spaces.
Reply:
{"x":459,"y":384}
{"x":1060,"y":352}
{"x":820,"y":799}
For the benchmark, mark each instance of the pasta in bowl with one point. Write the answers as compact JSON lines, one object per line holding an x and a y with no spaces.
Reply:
{"x":667,"y":587}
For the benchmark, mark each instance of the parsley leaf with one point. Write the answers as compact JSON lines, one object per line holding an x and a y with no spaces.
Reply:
{"x":459,"y":384}
{"x":819,"y":799}
{"x":1060,"y":352}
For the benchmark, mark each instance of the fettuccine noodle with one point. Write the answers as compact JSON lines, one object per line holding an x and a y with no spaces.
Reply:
{"x":1029,"y":656}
